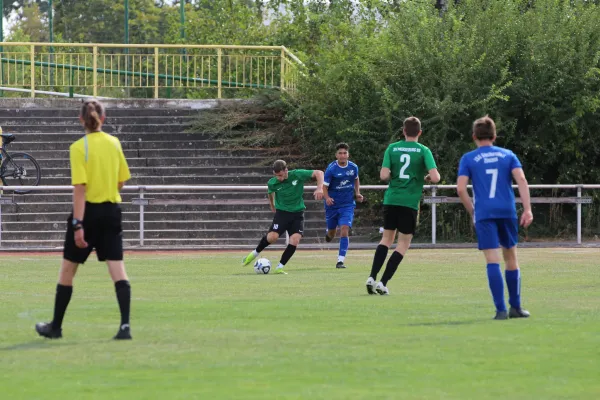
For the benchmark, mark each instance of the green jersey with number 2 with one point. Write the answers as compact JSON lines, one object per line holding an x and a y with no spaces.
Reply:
{"x":409,"y":163}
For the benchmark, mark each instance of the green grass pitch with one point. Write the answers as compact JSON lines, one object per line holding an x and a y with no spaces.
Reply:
{"x":206,"y":328}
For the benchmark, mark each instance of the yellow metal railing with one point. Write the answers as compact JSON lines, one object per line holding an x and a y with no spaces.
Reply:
{"x":146,"y":70}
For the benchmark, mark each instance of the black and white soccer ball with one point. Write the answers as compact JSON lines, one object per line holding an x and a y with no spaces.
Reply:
{"x":262,"y":266}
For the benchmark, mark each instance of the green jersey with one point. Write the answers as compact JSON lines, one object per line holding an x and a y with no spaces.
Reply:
{"x":408,"y":162}
{"x":288,"y":194}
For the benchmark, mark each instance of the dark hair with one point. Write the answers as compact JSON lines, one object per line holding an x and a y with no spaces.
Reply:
{"x":279,"y":166}
{"x":412,"y":126}
{"x":91,"y":113}
{"x":484,"y":128}
{"x":342,"y":145}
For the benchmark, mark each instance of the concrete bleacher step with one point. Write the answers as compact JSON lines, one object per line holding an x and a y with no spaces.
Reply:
{"x":245,"y":205}
{"x":169,"y":154}
{"x":162,"y":170}
{"x":73,"y":113}
{"x":173,"y":234}
{"x":162,"y":162}
{"x":17,"y":120}
{"x":67,"y":138}
{"x":108,"y":128}
{"x":160,"y":151}
{"x":18,"y":146}
{"x":131,"y":213}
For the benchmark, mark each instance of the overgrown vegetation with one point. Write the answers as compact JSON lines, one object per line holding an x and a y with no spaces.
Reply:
{"x":533,"y":65}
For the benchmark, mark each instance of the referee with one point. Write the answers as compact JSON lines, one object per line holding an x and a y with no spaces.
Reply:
{"x":98,"y":172}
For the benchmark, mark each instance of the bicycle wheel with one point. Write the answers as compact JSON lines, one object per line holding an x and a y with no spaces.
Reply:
{"x":20,"y":169}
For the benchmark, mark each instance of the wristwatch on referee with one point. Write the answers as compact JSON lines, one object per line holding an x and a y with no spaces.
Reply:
{"x":77,"y":224}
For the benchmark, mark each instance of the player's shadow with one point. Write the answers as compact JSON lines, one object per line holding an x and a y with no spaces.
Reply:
{"x":34,"y":344}
{"x":446,"y":323}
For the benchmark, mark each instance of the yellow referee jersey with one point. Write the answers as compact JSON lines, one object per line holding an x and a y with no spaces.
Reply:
{"x":97,"y":161}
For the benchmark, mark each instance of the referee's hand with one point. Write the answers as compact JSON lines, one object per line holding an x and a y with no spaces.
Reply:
{"x":80,"y":239}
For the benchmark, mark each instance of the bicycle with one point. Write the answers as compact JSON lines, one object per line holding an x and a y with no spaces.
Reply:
{"x":18,"y":169}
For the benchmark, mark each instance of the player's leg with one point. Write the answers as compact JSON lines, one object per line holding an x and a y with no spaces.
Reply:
{"x":488,"y":242}
{"x":331,"y":219}
{"x":276,"y":229}
{"x":346,"y":216}
{"x":110,"y":249}
{"x":390,"y":224}
{"x":295,"y":228}
{"x":116,"y":269}
{"x":407,"y":224}
{"x":72,"y":257}
{"x":508,"y":235}
{"x":64,"y":291}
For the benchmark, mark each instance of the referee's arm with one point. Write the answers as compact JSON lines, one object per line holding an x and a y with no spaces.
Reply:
{"x":79,"y":201}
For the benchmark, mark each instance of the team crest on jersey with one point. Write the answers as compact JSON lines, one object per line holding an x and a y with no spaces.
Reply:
{"x":350,"y":173}
{"x":295,"y":182}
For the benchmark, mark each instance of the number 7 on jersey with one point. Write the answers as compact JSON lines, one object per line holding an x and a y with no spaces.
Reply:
{"x":494,"y":173}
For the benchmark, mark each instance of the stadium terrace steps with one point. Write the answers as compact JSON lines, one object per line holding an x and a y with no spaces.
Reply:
{"x":161,"y":151}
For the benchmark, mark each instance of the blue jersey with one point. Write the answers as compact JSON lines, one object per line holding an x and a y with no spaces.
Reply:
{"x":490,"y":170}
{"x":340,"y":184}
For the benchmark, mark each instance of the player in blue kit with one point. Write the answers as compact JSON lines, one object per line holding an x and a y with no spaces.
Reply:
{"x":340,"y":187}
{"x":492,"y":170}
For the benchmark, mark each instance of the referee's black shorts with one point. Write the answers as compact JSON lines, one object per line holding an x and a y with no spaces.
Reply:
{"x":102,"y":231}
{"x":292,"y":222}
{"x":404,"y":219}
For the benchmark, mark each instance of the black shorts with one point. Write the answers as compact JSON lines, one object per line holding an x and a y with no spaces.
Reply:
{"x":292,"y":222}
{"x":102,"y":231}
{"x":404,"y":219}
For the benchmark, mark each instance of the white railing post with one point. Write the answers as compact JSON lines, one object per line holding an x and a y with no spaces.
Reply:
{"x":433,"y":216}
{"x":141,"y":216}
{"x":579,"y":215}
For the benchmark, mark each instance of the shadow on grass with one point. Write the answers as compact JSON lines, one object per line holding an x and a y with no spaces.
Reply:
{"x":447,"y":323}
{"x":35,"y":344}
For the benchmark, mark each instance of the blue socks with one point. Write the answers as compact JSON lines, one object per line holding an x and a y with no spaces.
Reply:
{"x":344,"y":243}
{"x":496,"y":286}
{"x":513,"y":283}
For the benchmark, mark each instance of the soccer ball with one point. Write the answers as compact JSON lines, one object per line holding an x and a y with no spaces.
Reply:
{"x":262,"y":266}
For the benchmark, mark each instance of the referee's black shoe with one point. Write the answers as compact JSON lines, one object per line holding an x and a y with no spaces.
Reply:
{"x":518,"y":313}
{"x":124,"y":333}
{"x":340,"y":264}
{"x":45,"y":329}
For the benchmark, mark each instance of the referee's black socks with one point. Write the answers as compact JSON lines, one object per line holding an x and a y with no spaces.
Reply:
{"x":123,"y":289}
{"x":61,"y":301}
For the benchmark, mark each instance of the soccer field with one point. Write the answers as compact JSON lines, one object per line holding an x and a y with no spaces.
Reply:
{"x":206,"y":328}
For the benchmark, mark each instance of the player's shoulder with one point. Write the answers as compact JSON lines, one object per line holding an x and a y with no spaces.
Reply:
{"x":77,"y":145}
{"x":422,"y":146}
{"x":471,"y":154}
{"x":352,"y":164}
{"x":332,"y":165}
{"x":504,"y":150}
{"x":272,"y":181}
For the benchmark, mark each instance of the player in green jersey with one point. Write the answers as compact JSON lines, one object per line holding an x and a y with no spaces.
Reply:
{"x":407,"y":165}
{"x":285,"y":198}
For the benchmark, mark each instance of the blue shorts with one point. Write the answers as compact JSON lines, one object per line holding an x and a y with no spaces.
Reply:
{"x":339,"y":216}
{"x":493,"y":233}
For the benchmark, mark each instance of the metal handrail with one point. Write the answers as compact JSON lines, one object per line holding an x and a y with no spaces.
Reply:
{"x":26,"y":68}
{"x":143,"y":189}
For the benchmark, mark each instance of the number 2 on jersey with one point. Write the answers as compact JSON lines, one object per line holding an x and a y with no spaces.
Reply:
{"x":404,"y":158}
{"x":494,"y":173}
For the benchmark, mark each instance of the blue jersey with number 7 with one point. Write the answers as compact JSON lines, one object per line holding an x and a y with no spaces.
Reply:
{"x":490,"y":170}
